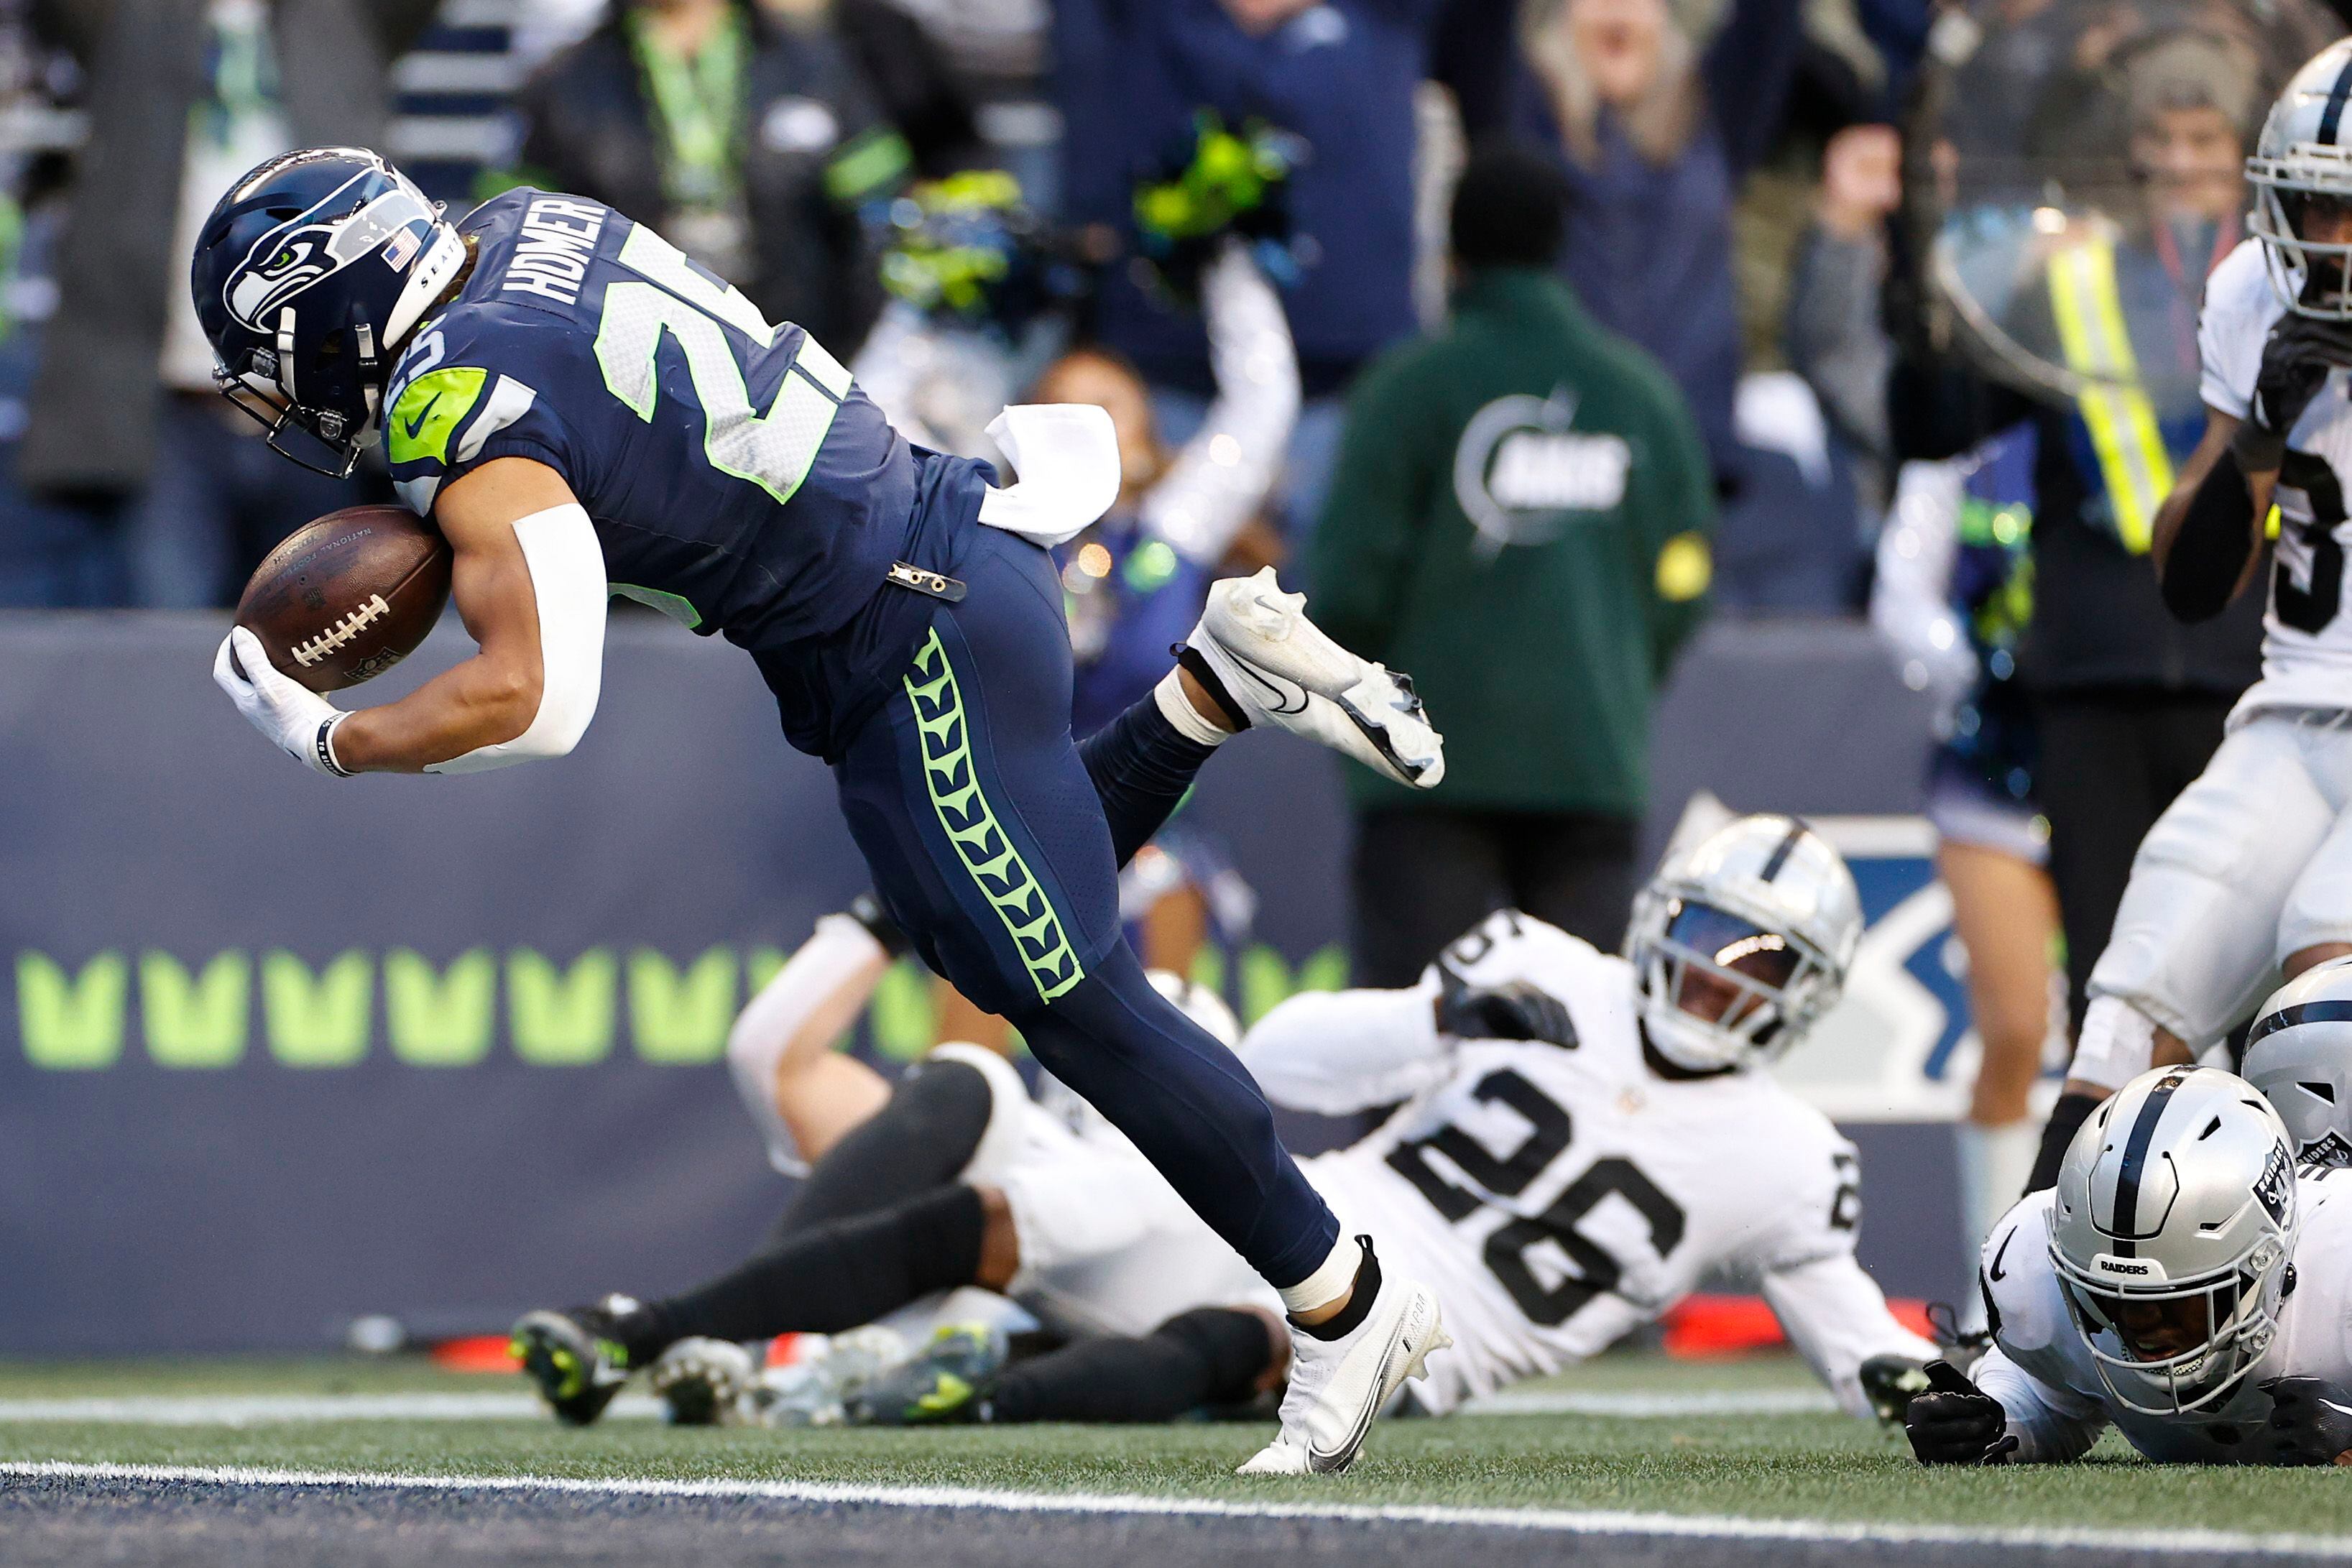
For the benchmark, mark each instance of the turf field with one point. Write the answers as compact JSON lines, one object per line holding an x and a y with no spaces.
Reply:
{"x":1638,"y":1458}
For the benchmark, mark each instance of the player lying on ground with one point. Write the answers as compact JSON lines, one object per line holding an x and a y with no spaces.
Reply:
{"x":1581,"y":1141}
{"x":2182,"y":1282}
{"x":2249,"y":873}
{"x":578,"y":408}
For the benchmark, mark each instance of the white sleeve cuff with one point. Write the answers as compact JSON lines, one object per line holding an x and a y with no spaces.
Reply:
{"x":567,"y":579}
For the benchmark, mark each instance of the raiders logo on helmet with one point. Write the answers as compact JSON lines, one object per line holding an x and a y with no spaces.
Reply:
{"x":2330,"y":1150}
{"x":2276,"y":1188}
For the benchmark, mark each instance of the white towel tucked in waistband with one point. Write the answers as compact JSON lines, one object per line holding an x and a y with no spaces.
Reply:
{"x":1068,"y":457}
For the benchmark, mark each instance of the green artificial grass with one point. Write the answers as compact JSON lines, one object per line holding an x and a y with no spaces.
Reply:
{"x":1818,"y":1467}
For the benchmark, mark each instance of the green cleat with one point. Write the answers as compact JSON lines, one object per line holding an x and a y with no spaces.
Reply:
{"x":577,"y":1358}
{"x":942,"y":1385}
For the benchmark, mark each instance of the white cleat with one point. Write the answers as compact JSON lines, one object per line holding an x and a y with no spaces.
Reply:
{"x":706,"y":1382}
{"x":1337,"y":1387}
{"x":1279,"y":668}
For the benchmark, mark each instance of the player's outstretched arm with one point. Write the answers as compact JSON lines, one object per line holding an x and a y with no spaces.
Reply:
{"x":2208,"y":533}
{"x":528,"y":581}
{"x":1837,"y":1318}
{"x":1334,"y":1052}
{"x":802,"y":1094}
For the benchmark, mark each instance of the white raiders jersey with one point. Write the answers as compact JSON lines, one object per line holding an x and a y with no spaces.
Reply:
{"x":2306,"y":629}
{"x":2046,"y":1380}
{"x":1557,"y":1197}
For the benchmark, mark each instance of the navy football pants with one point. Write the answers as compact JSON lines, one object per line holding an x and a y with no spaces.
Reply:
{"x":996,"y":845}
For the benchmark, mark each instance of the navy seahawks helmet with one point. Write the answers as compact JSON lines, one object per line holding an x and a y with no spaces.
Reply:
{"x":307,"y":276}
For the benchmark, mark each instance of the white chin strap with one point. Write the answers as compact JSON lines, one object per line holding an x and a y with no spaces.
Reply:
{"x":444,"y":254}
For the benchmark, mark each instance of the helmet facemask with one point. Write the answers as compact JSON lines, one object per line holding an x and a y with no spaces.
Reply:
{"x":1721,"y":990}
{"x":325,"y":440}
{"x":2179,"y":1346}
{"x":2312,"y":278}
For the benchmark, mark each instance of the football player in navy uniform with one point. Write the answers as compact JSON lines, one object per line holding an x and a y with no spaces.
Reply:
{"x":582,"y":410}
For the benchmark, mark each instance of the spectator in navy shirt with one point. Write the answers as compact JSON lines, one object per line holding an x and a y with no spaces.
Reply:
{"x":1655,"y":136}
{"x":1341,"y":75}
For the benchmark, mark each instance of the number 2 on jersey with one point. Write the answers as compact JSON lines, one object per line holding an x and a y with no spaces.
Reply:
{"x":1506,"y":1251}
{"x":774,"y":451}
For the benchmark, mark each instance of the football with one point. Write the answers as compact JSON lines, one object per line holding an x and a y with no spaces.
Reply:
{"x":345,"y":598}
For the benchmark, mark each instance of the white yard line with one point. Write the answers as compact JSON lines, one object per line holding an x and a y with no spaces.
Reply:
{"x":1564,"y":1521}
{"x":1545,"y":1402}
{"x":257,"y":1409}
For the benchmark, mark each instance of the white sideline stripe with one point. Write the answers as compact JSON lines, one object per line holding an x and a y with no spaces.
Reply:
{"x":260,"y":1409}
{"x":1753,"y":1401}
{"x":1565,"y":1521}
{"x":250,"y":1410}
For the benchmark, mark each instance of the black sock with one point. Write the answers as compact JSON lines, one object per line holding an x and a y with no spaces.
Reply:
{"x":1142,"y":768}
{"x":920,"y":1139}
{"x":1212,"y":1355}
{"x":827,"y":1278}
{"x":1367,"y":1290}
{"x":1193,"y":663}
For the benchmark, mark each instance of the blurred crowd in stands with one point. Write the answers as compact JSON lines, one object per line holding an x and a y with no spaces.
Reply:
{"x":1748,"y":307}
{"x":1731,"y":167}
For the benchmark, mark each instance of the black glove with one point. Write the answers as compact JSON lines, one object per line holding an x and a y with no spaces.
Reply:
{"x":1892,"y":1383}
{"x":2311,"y":1421}
{"x":1513,"y":1010}
{"x":2296,"y":359}
{"x":866,"y":911}
{"x":1957,"y":1423}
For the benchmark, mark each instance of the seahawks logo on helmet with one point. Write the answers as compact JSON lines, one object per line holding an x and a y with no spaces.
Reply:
{"x":318,"y":244}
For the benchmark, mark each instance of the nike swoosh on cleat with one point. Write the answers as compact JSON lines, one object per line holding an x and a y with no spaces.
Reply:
{"x":2339,"y":1409}
{"x":1289,"y":696}
{"x":1333,"y":1460}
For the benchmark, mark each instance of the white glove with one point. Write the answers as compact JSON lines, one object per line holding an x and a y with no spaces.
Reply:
{"x":297,"y":720}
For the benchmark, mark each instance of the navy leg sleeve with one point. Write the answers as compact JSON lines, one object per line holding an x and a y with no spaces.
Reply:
{"x":1191,"y":1106}
{"x":986,"y":836}
{"x":1142,"y":768}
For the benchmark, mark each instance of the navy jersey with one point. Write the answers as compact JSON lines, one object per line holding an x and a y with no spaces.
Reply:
{"x":738,"y":481}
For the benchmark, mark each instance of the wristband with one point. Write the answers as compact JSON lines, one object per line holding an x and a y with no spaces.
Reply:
{"x":322,"y":745}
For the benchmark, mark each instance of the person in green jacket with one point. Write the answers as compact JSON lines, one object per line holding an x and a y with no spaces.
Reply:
{"x":1520,"y":516}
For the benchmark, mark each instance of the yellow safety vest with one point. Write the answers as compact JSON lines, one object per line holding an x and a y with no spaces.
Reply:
{"x":2123,"y":424}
